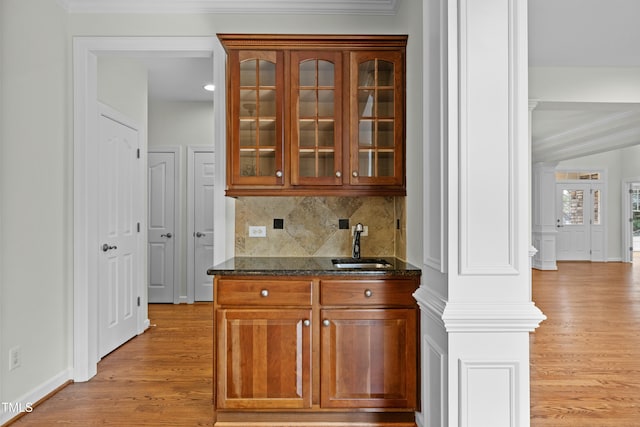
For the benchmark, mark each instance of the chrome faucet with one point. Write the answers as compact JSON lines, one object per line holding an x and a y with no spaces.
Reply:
{"x":359,"y":228}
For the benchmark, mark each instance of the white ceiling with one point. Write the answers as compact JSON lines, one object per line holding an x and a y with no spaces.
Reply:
{"x":583,"y":33}
{"x":568,"y":33}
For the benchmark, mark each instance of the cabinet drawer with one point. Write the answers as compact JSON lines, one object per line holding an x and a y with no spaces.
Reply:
{"x":368,"y":292}
{"x":263,"y":292}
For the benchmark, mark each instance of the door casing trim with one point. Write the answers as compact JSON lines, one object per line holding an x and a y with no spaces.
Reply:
{"x":85,"y":120}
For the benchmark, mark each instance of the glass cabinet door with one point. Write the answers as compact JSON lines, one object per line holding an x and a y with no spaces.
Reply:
{"x":316,"y":111}
{"x":257,"y":145}
{"x":377,"y":130}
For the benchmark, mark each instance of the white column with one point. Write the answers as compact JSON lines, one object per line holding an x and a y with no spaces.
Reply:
{"x":475,"y":299}
{"x":544,"y":231}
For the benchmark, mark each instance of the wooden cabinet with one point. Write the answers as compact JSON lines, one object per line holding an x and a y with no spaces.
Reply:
{"x":368,"y":344}
{"x":310,"y":350}
{"x":315,"y":115}
{"x":263,"y":344}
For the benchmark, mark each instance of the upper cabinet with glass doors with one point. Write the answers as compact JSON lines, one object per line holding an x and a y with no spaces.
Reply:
{"x":315,"y":115}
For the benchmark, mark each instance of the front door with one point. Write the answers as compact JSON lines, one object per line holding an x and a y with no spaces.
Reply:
{"x":118,"y":193}
{"x":573,"y":222}
{"x":203,"y":179}
{"x":162,"y":227}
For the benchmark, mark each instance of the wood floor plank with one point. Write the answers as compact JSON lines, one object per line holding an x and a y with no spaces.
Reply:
{"x":585,"y":358}
{"x":160,"y":378}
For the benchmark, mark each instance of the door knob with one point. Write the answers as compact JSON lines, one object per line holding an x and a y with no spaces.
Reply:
{"x":168,"y":235}
{"x":199,"y":234}
{"x":106,"y":247}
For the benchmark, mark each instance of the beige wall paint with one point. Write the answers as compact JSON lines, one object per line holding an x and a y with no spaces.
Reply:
{"x":36,"y":178}
{"x":122,"y":85}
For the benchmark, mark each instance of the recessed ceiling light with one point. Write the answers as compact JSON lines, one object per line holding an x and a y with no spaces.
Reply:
{"x":210,"y":87}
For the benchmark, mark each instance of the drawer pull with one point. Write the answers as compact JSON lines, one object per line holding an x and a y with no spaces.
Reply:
{"x":264,"y":293}
{"x":368,"y":293}
{"x":306,"y":322}
{"x":326,"y":322}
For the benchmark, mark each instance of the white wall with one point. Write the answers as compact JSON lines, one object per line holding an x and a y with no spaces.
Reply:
{"x":36,"y":187}
{"x":123,"y":85}
{"x":174,"y":123}
{"x":620,"y":165}
{"x":595,"y":84}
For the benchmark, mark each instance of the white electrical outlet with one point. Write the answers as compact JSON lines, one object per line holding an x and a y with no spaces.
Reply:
{"x":257,"y":231}
{"x":14,"y":358}
{"x":365,"y":232}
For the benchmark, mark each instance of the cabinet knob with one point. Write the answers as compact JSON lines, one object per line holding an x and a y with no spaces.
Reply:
{"x":338,"y":174}
{"x":306,"y":322}
{"x":326,"y":322}
{"x":279,"y":174}
{"x":368,"y":293}
{"x":355,"y":174}
{"x":264,"y":293}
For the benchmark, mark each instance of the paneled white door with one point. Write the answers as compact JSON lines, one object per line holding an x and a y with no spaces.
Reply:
{"x":118,"y":193}
{"x":573,"y":222}
{"x":203,"y":179}
{"x":162,"y":228}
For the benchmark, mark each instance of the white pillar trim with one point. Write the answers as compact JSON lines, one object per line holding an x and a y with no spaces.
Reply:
{"x":487,"y":317}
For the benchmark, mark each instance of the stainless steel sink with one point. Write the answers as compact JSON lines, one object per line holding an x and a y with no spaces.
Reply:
{"x":362,"y":263}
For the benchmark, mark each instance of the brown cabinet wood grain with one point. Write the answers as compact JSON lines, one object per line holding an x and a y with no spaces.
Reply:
{"x":264,"y":358}
{"x":369,"y":358}
{"x":315,"y":115}
{"x":307,"y":349}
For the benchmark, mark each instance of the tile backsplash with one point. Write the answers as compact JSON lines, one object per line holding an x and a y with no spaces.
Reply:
{"x":311,"y":226}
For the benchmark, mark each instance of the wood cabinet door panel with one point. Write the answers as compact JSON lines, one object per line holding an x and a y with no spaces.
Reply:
{"x":316,"y":117}
{"x":254,"y":124}
{"x":377,"y":118}
{"x":368,"y":358}
{"x":264,"y":359}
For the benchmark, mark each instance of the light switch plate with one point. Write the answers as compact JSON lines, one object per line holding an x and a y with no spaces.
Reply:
{"x":257,"y":231}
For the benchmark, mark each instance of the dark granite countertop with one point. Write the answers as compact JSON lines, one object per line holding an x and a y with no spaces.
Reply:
{"x":304,"y":266}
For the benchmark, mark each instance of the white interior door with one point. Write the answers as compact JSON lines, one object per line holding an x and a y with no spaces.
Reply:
{"x":573,"y":222}
{"x":203,"y":179}
{"x":162,"y":235}
{"x":119,"y":191}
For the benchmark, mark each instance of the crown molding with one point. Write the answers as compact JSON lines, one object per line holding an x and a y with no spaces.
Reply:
{"x":329,"y":7}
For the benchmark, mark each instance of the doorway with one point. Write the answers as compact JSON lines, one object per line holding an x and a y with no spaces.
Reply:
{"x":86,"y":51}
{"x":200,"y":221}
{"x":163,"y":197}
{"x":580,"y":219}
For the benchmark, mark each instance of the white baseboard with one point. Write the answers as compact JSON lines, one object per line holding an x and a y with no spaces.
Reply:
{"x":25,"y":402}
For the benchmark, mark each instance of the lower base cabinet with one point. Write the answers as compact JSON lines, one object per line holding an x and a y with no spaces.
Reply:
{"x":310,"y":351}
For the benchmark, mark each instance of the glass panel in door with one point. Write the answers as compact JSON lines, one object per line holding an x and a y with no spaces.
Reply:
{"x":257,"y":114}
{"x":315,"y":151}
{"x":574,"y":222}
{"x":376,"y":118}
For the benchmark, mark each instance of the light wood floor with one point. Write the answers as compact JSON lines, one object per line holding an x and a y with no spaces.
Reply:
{"x":160,"y":378}
{"x":585,"y":360}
